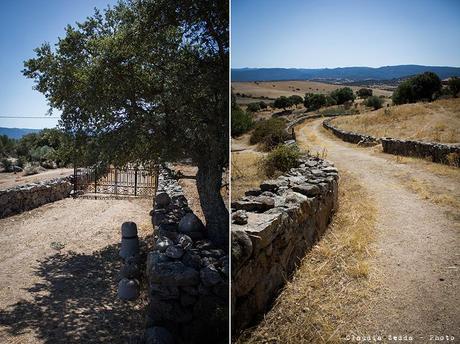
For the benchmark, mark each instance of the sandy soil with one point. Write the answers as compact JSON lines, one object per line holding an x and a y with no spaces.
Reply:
{"x":417,"y":265}
{"x":58,"y":268}
{"x":8,"y":180}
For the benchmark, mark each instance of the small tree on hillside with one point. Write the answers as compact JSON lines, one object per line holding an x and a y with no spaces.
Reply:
{"x":296,"y":100}
{"x":342,"y":95}
{"x":314,"y":101}
{"x":253,"y":107}
{"x":374,"y":102}
{"x":149,"y":78}
{"x":282,"y":103}
{"x":454,"y":85}
{"x":420,"y":87}
{"x":364,"y":92}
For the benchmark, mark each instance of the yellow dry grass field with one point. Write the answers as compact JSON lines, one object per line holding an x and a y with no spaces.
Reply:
{"x":438,"y":121}
{"x":246,"y":173}
{"x":275,"y":89}
{"x":331,"y":286}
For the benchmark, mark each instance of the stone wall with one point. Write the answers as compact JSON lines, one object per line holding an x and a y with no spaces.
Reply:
{"x":436,"y":152}
{"x":349,"y":136}
{"x":187,"y":275}
{"x":17,"y":199}
{"x":272,"y":229}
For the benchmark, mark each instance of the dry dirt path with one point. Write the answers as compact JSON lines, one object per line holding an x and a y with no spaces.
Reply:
{"x":417,"y":261}
{"x":58,"y":268}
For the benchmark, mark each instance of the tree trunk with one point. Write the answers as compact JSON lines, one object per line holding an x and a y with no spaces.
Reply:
{"x":209,"y":182}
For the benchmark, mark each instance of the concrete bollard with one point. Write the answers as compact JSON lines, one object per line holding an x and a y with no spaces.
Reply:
{"x":129,"y":240}
{"x":128,"y":289}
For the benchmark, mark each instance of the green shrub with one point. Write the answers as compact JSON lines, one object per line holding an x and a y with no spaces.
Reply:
{"x":253,"y":107}
{"x":282,"y":159}
{"x":364,"y":92}
{"x":282,"y":102}
{"x":7,"y":165}
{"x":241,"y":121}
{"x":374,"y":102}
{"x":270,"y":132}
{"x":314,"y":101}
{"x":342,"y":95}
{"x":263,"y":105}
{"x":454,"y":85}
{"x":420,"y":87}
{"x":295,"y":99}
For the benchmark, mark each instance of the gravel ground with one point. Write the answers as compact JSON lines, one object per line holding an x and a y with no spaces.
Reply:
{"x":8,"y":180}
{"x":58,"y":269}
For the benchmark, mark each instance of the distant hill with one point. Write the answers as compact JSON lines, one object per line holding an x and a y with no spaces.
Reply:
{"x":17,"y":133}
{"x":345,"y":74}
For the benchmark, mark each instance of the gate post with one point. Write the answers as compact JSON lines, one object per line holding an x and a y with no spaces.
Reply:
{"x":95,"y":179}
{"x":135,"y":181}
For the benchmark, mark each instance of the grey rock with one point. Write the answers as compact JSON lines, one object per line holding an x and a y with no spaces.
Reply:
{"x":269,"y":185}
{"x":163,"y":243}
{"x":174,"y":273}
{"x":174,"y":251}
{"x":307,"y":190}
{"x":240,"y":217}
{"x":192,"y":260}
{"x":210,"y":276}
{"x":253,"y":192}
{"x":162,"y":199}
{"x":190,"y":223}
{"x":184,"y":241}
{"x":241,"y":248}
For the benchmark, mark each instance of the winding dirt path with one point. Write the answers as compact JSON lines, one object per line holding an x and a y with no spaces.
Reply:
{"x":418,"y":241}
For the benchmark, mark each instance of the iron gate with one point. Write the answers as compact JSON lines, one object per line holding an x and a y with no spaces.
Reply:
{"x":128,"y":181}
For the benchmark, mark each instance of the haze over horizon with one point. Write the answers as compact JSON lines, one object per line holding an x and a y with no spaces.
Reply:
{"x":333,"y":34}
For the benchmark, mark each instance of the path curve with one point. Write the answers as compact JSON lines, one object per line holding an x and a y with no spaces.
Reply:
{"x":417,"y":243}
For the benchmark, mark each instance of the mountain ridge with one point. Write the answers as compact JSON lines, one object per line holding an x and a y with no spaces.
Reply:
{"x":17,"y":133}
{"x":340,"y":73}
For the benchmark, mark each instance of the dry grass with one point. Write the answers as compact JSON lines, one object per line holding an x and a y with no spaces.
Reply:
{"x":438,"y":121}
{"x":275,"y":89}
{"x":246,"y":172}
{"x":331,"y":285}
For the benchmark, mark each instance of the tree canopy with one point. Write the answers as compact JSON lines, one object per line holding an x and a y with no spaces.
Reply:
{"x":420,"y":87}
{"x":147,"y":81}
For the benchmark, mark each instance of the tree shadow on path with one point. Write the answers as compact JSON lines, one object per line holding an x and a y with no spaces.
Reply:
{"x":77,"y":302}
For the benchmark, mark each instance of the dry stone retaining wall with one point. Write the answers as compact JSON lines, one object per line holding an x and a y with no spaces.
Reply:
{"x":272,"y":229}
{"x":437,"y":152}
{"x":349,"y":136}
{"x":187,"y":275}
{"x":21,"y":198}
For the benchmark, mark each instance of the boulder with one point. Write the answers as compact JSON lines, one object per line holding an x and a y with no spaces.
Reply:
{"x":240,"y":217}
{"x":174,"y":251}
{"x":162,"y":200}
{"x":309,"y":190}
{"x":163,"y":243}
{"x":174,"y":273}
{"x":190,"y":223}
{"x":210,"y":276}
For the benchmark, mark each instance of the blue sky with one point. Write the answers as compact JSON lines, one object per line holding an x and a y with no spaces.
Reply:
{"x":335,"y":33}
{"x":25,"y":25}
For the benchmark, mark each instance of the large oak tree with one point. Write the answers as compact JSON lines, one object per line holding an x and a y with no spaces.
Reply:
{"x":147,"y":80}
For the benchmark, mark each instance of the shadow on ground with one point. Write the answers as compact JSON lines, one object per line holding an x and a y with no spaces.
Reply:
{"x":77,"y":302}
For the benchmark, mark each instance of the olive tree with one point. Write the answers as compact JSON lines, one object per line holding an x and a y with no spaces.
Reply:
{"x":147,"y":80}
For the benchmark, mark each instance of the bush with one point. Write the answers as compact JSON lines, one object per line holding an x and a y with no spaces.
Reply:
{"x":282,"y":158}
{"x":295,"y":99}
{"x":454,"y":85}
{"x":253,"y":107}
{"x":282,"y":102}
{"x":342,"y":95}
{"x":270,"y":133}
{"x":364,"y":92}
{"x":7,"y":165}
{"x":314,"y":101}
{"x":374,"y":102}
{"x":32,"y":169}
{"x":263,"y":105}
{"x":241,"y":121}
{"x":420,"y":87}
